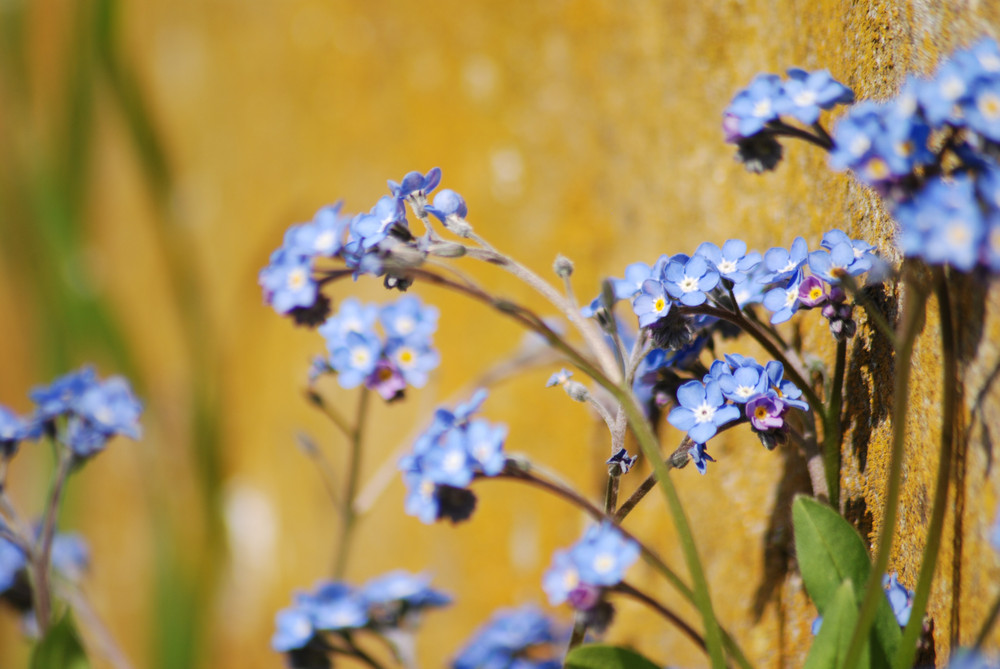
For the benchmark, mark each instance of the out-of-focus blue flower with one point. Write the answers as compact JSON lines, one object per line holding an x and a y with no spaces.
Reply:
{"x":407,"y":317}
{"x":287,"y":282}
{"x":806,"y":93}
{"x":942,"y":223}
{"x":652,"y":303}
{"x":12,"y":561}
{"x":702,"y":411}
{"x":70,"y":555}
{"x":484,"y":443}
{"x":561,"y":578}
{"x":559,"y":378}
{"x":61,"y":395}
{"x":355,"y":358}
{"x":512,"y":639}
{"x":756,"y":105}
{"x":731,"y":261}
{"x":111,"y":407}
{"x":688,"y":279}
{"x":832,"y":265}
{"x":967,"y":658}
{"x":293,"y":630}
{"x":397,"y":593}
{"x":864,"y":253}
{"x":784,"y":300}
{"x":995,"y":533}
{"x":900,"y":599}
{"x":373,"y":227}
{"x":352,"y":316}
{"x":414,"y":358}
{"x":603,"y":555}
{"x":386,"y":380}
{"x":14,"y":429}
{"x":334,"y":606}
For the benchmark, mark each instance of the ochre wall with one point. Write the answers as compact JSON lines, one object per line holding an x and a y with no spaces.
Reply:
{"x":590,"y":128}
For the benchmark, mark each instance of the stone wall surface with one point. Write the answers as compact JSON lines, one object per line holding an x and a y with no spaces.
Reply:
{"x":589,"y":128}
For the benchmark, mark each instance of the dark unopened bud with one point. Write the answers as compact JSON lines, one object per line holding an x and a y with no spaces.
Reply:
{"x":455,"y":504}
{"x":759,"y":153}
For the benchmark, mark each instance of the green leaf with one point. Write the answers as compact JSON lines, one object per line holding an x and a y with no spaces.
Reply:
{"x":831,"y":552}
{"x":830,"y":646}
{"x":600,"y":656}
{"x":61,"y":648}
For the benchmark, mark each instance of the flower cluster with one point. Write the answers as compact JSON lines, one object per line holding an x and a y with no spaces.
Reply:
{"x":753,"y":120}
{"x":379,"y":243}
{"x":933,"y":152}
{"x":582,"y":574}
{"x":357,"y":354}
{"x":513,"y":638}
{"x":445,"y":459}
{"x":310,"y":629}
{"x":765,"y":395}
{"x":82,"y":412}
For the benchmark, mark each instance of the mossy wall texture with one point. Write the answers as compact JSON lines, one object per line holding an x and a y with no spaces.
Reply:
{"x":590,"y":128}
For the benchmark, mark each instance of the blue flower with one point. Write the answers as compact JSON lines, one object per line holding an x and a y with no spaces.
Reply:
{"x":512,"y":639}
{"x":702,"y":411}
{"x":70,"y":555}
{"x":900,"y":599}
{"x":782,"y":263}
{"x":484,"y":443}
{"x":784,"y":300}
{"x":371,"y":228}
{"x":806,"y":93}
{"x":652,"y":303}
{"x":407,"y":317}
{"x":688,"y":279}
{"x":355,"y":358}
{"x":864,"y":253}
{"x":414,"y":358}
{"x":287,"y":281}
{"x":329,"y":227}
{"x":449,"y":207}
{"x":744,"y":383}
{"x":832,"y":265}
{"x":786,"y":391}
{"x":700,"y":457}
{"x":561,"y":578}
{"x":12,"y":561}
{"x":110,"y":407}
{"x":731,"y":261}
{"x":943,"y":97}
{"x":603,"y":555}
{"x":14,"y":429}
{"x":559,"y":378}
{"x":635,"y":275}
{"x":334,"y":606}
{"x":756,"y":105}
{"x":995,"y":533}
{"x":415,"y":184}
{"x":943,"y":223}
{"x":393,"y":595}
{"x":62,"y":394}
{"x":293,"y":630}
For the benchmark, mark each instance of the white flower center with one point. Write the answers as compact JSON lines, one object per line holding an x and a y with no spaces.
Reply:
{"x":958,"y":233}
{"x":989,"y":106}
{"x":405,"y":325}
{"x":791,"y":295}
{"x":952,"y":88}
{"x":744,"y":391}
{"x":603,"y":563}
{"x":727,"y":266}
{"x":704,"y":413}
{"x":296,"y":279}
{"x":453,"y":462}
{"x":859,"y":145}
{"x":762,"y":108}
{"x":805,"y":98}
{"x":360,"y":356}
{"x":325,"y":241}
{"x":688,"y":284}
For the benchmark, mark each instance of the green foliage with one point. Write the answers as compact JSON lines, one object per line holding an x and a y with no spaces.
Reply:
{"x":61,"y":648}
{"x":600,"y":656}
{"x":832,"y":555}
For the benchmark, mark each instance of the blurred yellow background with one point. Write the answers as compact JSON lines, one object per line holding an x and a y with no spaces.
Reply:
{"x":153,"y":153}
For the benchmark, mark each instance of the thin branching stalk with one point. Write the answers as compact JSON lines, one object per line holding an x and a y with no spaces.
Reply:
{"x":41,"y":559}
{"x":914,"y":303}
{"x":640,"y":596}
{"x":932,"y":546}
{"x":833,"y":428}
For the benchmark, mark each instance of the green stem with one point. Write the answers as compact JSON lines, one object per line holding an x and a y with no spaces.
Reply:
{"x":644,"y":435}
{"x":317,"y":401}
{"x":932,"y":546}
{"x":988,"y":624}
{"x":913,"y":306}
{"x":833,"y":428}
{"x":348,"y":516}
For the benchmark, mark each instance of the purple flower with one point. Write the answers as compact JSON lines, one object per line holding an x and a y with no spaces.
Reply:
{"x":702,"y":411}
{"x":812,"y":292}
{"x":766,"y":412}
{"x":386,"y":380}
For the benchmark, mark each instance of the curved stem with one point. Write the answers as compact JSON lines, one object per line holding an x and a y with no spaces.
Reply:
{"x":41,"y":560}
{"x":913,"y":306}
{"x":932,"y":546}
{"x":640,"y":596}
{"x":348,"y":515}
{"x":781,"y":129}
